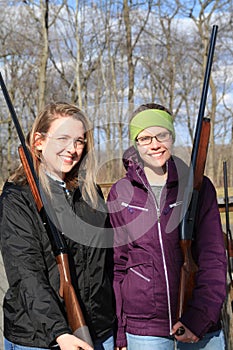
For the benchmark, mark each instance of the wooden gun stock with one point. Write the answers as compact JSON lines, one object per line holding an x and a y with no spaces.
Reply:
{"x":30,"y":179}
{"x":187,"y":276}
{"x":73,"y":310}
{"x":189,"y":268}
{"x":202,"y":154}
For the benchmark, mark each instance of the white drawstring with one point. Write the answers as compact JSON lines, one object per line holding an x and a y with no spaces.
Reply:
{"x":166,"y":277}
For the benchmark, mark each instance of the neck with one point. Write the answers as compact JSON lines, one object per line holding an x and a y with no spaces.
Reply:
{"x":156,"y":176}
{"x":55,"y":177}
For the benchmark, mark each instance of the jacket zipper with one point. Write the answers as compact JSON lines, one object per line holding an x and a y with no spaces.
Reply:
{"x":162,"y":250}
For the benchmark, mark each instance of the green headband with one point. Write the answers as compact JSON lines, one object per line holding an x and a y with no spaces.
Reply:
{"x":148,"y":118}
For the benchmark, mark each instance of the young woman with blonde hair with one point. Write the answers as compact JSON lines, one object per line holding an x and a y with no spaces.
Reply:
{"x":61,"y":145}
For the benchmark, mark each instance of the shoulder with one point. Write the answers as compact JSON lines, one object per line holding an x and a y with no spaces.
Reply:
{"x":208,"y":181}
{"x":11,"y":190}
{"x":122,"y":186}
{"x":208,"y":187}
{"x":16,"y":199}
{"x":208,"y":196}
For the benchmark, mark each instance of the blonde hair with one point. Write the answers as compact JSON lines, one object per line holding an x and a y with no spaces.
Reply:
{"x":82,"y":173}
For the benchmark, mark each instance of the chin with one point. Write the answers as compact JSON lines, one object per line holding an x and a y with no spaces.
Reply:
{"x":66,"y":170}
{"x":158,"y":164}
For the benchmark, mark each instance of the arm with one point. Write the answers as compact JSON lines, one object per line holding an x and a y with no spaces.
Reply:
{"x":209,"y":293}
{"x":120,"y":260}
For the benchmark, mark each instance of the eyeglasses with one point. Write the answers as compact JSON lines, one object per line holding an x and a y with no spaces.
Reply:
{"x":147,"y":140}
{"x":65,"y":141}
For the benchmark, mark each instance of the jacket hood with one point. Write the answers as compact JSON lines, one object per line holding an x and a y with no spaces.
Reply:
{"x":178,"y":170}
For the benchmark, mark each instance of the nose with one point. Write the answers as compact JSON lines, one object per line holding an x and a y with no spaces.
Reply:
{"x":155,"y":142}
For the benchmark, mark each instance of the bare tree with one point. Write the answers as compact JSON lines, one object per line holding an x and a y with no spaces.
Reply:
{"x":132,"y":41}
{"x":121,"y":54}
{"x":40,"y":13}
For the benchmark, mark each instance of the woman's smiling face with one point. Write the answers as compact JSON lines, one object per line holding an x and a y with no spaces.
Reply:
{"x":155,"y":154}
{"x":60,"y":151}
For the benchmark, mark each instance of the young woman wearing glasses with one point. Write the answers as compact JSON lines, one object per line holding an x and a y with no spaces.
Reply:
{"x":61,"y":145}
{"x":146,"y":209}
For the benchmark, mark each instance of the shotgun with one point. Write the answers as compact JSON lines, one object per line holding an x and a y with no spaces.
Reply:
{"x":229,"y":240}
{"x":58,"y":243}
{"x":195,"y":178}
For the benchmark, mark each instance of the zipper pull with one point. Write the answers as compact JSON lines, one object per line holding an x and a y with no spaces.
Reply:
{"x":173,"y":205}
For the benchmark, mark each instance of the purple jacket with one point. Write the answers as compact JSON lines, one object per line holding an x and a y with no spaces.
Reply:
{"x":148,"y":258}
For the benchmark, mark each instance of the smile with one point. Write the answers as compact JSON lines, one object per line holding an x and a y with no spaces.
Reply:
{"x":156,"y":155}
{"x":67,"y":159}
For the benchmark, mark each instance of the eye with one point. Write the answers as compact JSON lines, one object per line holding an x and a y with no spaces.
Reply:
{"x":145,"y":138}
{"x":162,"y":134}
{"x":80,"y":141}
{"x":62,"y":139}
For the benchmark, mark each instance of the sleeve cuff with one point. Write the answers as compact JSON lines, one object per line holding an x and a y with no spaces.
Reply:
{"x":121,"y":337}
{"x":57,"y":333}
{"x":198,"y":322}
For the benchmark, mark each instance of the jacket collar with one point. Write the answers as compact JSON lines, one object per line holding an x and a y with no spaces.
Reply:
{"x":133,"y":163}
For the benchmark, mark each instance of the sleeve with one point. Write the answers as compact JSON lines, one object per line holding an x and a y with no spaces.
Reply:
{"x":26,"y":270}
{"x":120,"y":259}
{"x":209,"y":253}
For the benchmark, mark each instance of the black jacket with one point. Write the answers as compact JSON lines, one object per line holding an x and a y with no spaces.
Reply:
{"x":34,"y":313}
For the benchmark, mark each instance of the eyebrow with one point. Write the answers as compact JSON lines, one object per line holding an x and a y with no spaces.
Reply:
{"x":66,"y":135}
{"x":151,"y":135}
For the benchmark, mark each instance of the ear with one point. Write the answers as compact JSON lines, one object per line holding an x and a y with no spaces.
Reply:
{"x":38,"y":141}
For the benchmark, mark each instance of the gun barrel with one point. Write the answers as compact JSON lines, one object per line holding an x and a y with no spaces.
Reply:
{"x":204,"y":95}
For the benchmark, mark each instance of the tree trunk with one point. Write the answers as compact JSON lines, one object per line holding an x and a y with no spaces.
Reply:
{"x":44,"y":5}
